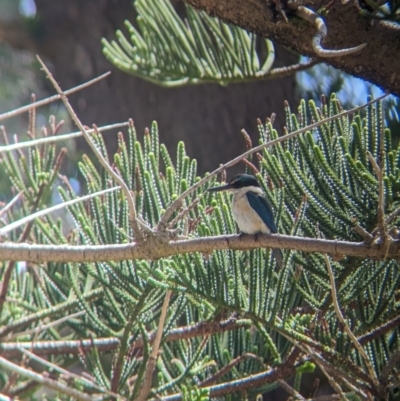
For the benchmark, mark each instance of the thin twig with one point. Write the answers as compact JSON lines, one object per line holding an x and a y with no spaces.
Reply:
{"x":281,"y":72}
{"x":389,"y":368}
{"x":69,"y":374}
{"x":324,"y":365}
{"x":313,"y":18}
{"x":291,"y":390}
{"x":151,"y":363}
{"x":63,"y":307}
{"x":131,"y":202}
{"x":202,"y":329}
{"x":45,"y":381}
{"x":10,"y":204}
{"x":40,"y":213}
{"x":183,"y":212}
{"x":55,"y":138}
{"x":331,"y":380}
{"x":381,"y":198}
{"x":229,"y":367}
{"x":50,"y":99}
{"x":380,"y":330}
{"x":331,"y":397}
{"x":178,"y":201}
{"x":368,"y":238}
{"x":385,"y":238}
{"x":353,"y":338}
{"x":354,"y":381}
{"x":40,"y":328}
{"x":253,"y":381}
{"x":7,"y":272}
{"x":391,"y":217}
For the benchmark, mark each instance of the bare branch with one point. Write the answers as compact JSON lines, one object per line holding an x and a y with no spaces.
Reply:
{"x":281,"y":72}
{"x":151,"y":363}
{"x":380,"y":330}
{"x":41,"y":327}
{"x":313,"y":18}
{"x":229,"y":367}
{"x":381,"y":203}
{"x":56,"y":138}
{"x":331,"y":380}
{"x":202,"y":329}
{"x":131,"y":202}
{"x":10,"y":204}
{"x":69,"y":374}
{"x":352,"y":337}
{"x":368,"y":238}
{"x":286,"y":370}
{"x":44,"y":212}
{"x":153,"y":250}
{"x":50,"y":99}
{"x":291,"y":390}
{"x":45,"y":381}
{"x":178,"y":201}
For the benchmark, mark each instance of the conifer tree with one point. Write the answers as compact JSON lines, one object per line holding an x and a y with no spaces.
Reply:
{"x":143,"y":282}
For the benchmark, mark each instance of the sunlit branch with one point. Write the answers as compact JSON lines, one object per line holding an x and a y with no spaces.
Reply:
{"x":56,"y":138}
{"x":313,"y":18}
{"x":51,"y":99}
{"x":178,"y":201}
{"x":45,"y":381}
{"x":156,"y":250}
{"x":131,"y":203}
{"x":44,"y":212}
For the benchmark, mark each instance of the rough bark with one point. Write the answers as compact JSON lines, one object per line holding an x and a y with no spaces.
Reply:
{"x":378,"y":62}
{"x":207,"y":118}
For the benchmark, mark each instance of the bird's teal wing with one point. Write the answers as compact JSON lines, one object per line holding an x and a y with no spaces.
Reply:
{"x":263,"y":209}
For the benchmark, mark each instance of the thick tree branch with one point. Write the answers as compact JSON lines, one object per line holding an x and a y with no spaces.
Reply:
{"x":154,"y":248}
{"x":346,"y":28}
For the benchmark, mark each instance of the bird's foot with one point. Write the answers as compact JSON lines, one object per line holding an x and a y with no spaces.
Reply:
{"x":242,"y":234}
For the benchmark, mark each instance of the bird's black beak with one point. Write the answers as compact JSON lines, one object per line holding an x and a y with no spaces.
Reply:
{"x":221,"y":188}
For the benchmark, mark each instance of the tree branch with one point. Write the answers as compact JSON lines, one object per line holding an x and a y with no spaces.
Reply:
{"x":351,"y":335}
{"x":131,"y":203}
{"x":51,"y":99}
{"x":12,"y":349}
{"x":151,"y":363}
{"x":346,"y":26}
{"x":153,"y":249}
{"x":285,"y":370}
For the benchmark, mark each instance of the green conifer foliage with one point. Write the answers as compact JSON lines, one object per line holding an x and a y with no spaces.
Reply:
{"x":169,"y":51}
{"x":320,"y":185}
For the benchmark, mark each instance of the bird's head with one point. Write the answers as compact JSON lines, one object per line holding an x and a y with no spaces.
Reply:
{"x":241,"y":181}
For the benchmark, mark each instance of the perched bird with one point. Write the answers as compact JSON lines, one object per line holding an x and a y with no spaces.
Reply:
{"x":252,"y":212}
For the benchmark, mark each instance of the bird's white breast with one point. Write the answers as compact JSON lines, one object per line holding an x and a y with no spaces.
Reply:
{"x":247,"y":219}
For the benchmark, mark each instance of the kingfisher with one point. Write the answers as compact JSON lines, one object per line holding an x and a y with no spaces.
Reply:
{"x":252,"y":212}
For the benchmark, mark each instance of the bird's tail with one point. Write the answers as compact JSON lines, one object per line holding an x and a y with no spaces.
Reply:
{"x":278,"y":256}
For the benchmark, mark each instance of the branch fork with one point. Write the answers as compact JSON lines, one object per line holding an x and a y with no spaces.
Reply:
{"x":313,"y":18}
